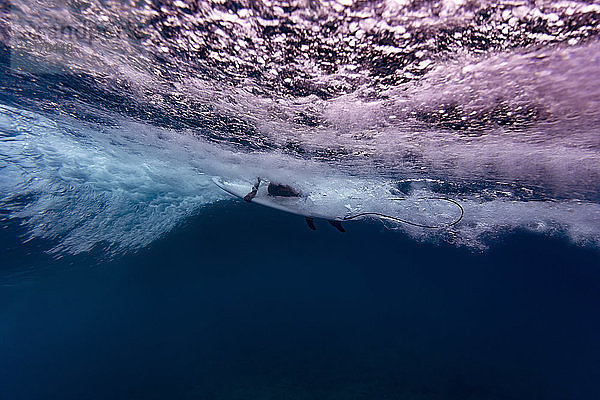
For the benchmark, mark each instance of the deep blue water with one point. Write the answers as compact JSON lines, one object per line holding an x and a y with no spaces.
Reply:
{"x":247,"y":303}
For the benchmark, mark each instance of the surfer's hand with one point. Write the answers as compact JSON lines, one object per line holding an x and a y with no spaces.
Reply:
{"x":250,"y":195}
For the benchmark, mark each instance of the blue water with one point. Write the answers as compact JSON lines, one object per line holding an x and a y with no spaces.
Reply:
{"x":297,"y":314}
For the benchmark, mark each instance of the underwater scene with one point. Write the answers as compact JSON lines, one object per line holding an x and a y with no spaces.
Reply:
{"x":256,"y":199}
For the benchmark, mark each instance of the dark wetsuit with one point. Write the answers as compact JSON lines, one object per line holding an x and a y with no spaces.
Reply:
{"x":275,"y":189}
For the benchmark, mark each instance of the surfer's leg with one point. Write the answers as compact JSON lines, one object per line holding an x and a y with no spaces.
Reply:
{"x":253,"y":192}
{"x":337,"y":225}
{"x":311,"y":223}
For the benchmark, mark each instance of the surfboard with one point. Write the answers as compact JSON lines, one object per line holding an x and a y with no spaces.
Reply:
{"x":333,"y":203}
{"x":302,"y":205}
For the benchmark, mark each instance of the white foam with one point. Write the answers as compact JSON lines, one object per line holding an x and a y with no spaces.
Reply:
{"x":124,"y":186}
{"x":118,"y":186}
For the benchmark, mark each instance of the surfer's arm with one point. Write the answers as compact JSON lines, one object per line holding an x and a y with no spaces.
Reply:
{"x":253,"y":192}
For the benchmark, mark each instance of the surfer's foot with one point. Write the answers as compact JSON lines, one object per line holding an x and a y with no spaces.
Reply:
{"x":337,"y":225}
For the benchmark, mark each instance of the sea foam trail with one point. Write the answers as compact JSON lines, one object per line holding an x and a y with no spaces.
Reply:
{"x":125,"y":185}
{"x":83,"y":185}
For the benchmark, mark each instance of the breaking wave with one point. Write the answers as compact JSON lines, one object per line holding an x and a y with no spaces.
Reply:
{"x":114,"y":117}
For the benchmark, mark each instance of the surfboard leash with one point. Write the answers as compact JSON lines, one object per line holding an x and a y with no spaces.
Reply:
{"x":462,"y":214}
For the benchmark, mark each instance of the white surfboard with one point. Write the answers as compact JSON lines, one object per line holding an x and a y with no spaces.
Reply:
{"x":355,"y":203}
{"x":302,"y":205}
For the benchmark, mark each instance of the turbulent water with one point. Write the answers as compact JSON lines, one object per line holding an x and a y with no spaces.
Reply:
{"x":115,"y":115}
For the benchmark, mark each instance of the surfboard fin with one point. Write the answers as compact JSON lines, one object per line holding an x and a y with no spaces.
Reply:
{"x":311,"y":223}
{"x":337,"y":225}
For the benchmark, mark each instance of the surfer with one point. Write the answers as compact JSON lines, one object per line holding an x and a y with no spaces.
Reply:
{"x":279,"y":190}
{"x":273,"y":189}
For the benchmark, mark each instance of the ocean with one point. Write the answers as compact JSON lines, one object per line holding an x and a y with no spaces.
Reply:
{"x":127,"y":273}
{"x":244,"y":302}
